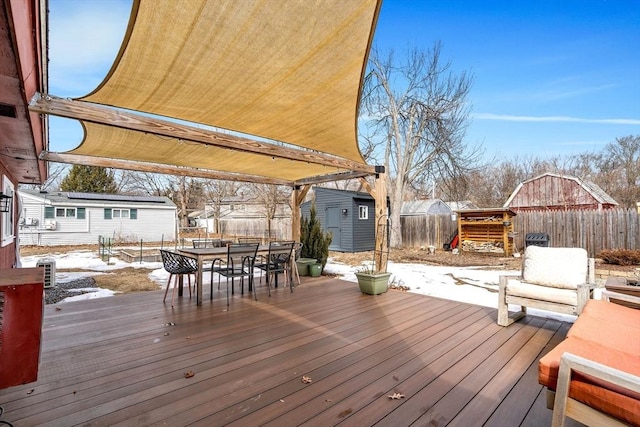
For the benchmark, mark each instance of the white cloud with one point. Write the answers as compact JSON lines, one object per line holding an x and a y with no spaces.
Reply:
{"x":551,"y":119}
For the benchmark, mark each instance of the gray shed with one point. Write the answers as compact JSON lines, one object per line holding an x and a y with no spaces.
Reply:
{"x":348,"y":215}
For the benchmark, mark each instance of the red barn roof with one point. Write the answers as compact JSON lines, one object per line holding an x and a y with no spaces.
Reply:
{"x":553,"y":191}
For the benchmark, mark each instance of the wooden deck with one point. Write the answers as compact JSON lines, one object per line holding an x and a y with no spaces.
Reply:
{"x":122,"y":361}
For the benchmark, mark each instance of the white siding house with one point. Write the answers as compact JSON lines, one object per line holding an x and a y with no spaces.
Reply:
{"x":60,"y":218}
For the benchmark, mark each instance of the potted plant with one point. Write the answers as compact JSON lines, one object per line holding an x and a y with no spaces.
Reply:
{"x":315,"y":243}
{"x":372,"y":282}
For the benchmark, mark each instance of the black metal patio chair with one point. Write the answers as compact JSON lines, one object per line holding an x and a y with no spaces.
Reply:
{"x":177,"y":265}
{"x":240,"y":263}
{"x":278,"y":260}
{"x":207,"y":243}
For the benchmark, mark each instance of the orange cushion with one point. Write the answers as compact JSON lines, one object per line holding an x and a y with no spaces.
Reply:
{"x":610,"y":326}
{"x":618,"y":405}
{"x":609,"y":398}
{"x":611,"y":313}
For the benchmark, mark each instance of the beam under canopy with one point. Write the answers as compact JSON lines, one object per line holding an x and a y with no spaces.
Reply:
{"x":94,"y":113}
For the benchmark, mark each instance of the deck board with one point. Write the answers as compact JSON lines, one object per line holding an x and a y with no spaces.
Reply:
{"x":122,"y":360}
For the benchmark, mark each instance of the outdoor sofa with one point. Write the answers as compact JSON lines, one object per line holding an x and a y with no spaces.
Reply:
{"x":593,"y":376}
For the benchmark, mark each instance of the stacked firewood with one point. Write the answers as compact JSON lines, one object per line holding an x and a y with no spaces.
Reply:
{"x":471,"y":246}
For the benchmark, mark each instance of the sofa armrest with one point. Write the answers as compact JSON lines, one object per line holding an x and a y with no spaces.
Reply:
{"x":563,"y":405}
{"x":584,"y":294}
{"x":606,"y":295}
{"x":504,"y":279}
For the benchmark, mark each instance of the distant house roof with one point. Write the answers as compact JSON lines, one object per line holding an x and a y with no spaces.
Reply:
{"x":425,"y":207}
{"x":74,"y":198}
{"x":544,"y":191}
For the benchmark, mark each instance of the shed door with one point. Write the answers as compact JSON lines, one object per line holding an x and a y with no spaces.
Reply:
{"x":333,"y":226}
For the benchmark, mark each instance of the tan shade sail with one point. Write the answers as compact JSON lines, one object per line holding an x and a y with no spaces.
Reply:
{"x":287,"y":70}
{"x":128,"y":144}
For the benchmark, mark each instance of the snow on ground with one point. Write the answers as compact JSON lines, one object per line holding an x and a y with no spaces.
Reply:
{"x":473,"y":285}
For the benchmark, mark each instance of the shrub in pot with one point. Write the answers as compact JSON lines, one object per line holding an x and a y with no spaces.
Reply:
{"x":315,"y":242}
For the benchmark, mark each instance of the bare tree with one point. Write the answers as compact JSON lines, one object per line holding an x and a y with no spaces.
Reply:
{"x":215,"y":192}
{"x":418,"y":108}
{"x":619,"y":173}
{"x":145,"y":183}
{"x":271,"y":197}
{"x":57,"y":171}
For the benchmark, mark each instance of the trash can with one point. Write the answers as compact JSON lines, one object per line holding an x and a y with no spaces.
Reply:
{"x":537,"y":239}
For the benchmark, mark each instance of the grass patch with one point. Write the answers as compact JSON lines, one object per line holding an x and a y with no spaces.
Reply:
{"x":126,"y":280}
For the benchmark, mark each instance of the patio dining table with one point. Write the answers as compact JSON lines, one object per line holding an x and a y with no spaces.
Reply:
{"x":207,"y":254}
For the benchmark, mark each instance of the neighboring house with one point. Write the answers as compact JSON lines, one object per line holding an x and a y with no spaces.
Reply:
{"x":348,"y":215}
{"x":61,"y":218}
{"x":554,"y":192}
{"x":425,"y":207}
{"x":240,"y":216}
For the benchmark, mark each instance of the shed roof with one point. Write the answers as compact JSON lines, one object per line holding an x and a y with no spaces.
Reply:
{"x":424,"y":207}
{"x":345,"y":193}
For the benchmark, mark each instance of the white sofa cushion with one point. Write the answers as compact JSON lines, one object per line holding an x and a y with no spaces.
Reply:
{"x":563,"y":268}
{"x":541,"y":292}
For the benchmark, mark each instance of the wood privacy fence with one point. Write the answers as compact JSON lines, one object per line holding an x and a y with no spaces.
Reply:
{"x":427,"y":230}
{"x":590,"y":229}
{"x":280,"y":228}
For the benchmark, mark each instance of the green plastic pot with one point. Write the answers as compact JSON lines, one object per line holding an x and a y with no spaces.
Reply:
{"x":315,"y":270}
{"x":373,"y":284}
{"x":303,"y":265}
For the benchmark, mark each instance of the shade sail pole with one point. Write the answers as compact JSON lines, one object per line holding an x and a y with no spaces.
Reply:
{"x":381,"y":246}
{"x":379,"y":194}
{"x":297,"y":197}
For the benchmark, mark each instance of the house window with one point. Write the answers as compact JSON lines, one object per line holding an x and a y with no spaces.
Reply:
{"x":64,"y":213}
{"x":7,"y":218}
{"x":363,"y":212}
{"x":110,"y":213}
{"x":49,"y":212}
{"x":120,"y":213}
{"x":81,"y":213}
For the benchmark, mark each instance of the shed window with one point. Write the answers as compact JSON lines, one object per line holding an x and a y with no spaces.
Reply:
{"x":363,"y":212}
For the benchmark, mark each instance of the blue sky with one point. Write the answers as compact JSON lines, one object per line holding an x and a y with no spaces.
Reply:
{"x":550,"y":77}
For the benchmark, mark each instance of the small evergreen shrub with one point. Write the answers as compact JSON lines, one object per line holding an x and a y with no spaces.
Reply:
{"x":315,"y":242}
{"x":621,"y":256}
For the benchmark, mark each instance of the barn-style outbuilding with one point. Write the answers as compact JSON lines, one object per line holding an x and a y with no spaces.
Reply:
{"x":553,"y":191}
